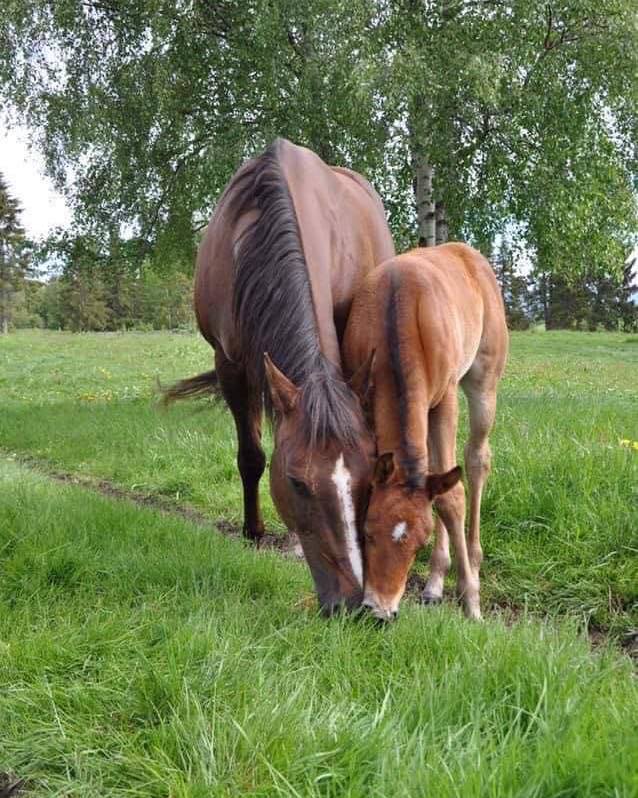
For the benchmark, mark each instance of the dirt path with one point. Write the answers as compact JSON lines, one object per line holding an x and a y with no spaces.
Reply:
{"x":287,"y":545}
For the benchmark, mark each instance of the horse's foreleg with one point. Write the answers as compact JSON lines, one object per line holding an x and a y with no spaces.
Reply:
{"x":245,"y":404}
{"x":450,"y":506}
{"x":439,"y":565}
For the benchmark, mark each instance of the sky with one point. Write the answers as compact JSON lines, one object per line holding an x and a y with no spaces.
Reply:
{"x":23,"y":170}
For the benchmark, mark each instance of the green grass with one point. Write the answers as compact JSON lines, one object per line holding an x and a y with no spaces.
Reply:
{"x":560,"y":514}
{"x":142,"y":656}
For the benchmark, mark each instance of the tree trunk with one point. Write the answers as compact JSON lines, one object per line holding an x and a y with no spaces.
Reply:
{"x":441,"y":224}
{"x":425,"y":209}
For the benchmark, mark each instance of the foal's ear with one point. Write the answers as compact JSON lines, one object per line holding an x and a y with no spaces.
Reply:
{"x":284,"y":393}
{"x":384,"y":468}
{"x":436,"y":484}
{"x":362,"y":381}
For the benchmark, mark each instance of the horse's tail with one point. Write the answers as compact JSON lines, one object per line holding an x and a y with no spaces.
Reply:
{"x":206,"y":384}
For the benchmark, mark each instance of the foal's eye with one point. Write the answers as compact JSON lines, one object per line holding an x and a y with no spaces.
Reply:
{"x":300,"y":487}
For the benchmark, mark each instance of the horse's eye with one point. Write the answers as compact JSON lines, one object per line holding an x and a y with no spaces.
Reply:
{"x":300,"y":487}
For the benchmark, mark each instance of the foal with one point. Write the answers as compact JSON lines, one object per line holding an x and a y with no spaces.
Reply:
{"x":429,"y":319}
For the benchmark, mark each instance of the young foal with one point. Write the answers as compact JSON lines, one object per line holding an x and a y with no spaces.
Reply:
{"x":430,"y":319}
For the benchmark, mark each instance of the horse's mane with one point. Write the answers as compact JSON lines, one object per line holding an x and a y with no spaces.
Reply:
{"x":409,"y":459}
{"x":273,"y":305}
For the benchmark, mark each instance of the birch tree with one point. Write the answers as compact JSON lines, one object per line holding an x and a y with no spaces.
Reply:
{"x":471,"y":116}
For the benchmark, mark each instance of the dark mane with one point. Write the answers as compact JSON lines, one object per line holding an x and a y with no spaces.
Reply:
{"x":409,"y":460}
{"x":273,"y":306}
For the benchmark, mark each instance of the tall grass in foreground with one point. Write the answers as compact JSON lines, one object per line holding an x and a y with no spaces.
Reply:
{"x":142,"y":656}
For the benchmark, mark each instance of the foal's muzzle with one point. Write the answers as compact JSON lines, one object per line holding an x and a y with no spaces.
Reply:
{"x":379,"y":613}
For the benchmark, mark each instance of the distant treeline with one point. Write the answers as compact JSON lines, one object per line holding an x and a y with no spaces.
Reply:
{"x":113,"y":285}
{"x":86,"y":302}
{"x":115,"y":300}
{"x":588,"y":302}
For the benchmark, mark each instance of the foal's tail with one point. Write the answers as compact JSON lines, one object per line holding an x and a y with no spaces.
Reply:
{"x":206,"y":384}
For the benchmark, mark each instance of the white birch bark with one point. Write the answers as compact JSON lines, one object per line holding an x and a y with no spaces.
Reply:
{"x":441,"y":224}
{"x":425,"y":209}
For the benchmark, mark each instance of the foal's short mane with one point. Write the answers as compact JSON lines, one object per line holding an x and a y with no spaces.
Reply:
{"x":273,"y":305}
{"x":409,"y":459}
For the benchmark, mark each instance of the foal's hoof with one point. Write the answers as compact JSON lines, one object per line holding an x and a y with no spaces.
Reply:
{"x":472,"y":610}
{"x":430,"y":600}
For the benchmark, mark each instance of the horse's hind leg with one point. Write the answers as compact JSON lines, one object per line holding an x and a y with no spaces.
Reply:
{"x":245,"y":404}
{"x":480,"y":389}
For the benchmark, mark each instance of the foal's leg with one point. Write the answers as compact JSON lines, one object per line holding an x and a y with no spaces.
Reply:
{"x":480,"y":389}
{"x":451,"y":505}
{"x":439,"y":565}
{"x":245,"y":404}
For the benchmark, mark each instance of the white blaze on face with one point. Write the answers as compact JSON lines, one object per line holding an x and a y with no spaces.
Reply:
{"x":343,"y":481}
{"x":399,"y":531}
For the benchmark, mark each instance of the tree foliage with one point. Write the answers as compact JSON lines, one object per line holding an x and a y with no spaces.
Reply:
{"x":525,"y":112}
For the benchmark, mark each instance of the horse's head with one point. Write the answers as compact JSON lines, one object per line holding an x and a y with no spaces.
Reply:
{"x":398,"y":523}
{"x":320,"y":475}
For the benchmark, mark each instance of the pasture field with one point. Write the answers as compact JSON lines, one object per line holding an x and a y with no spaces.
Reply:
{"x":560,"y":513}
{"x":142,"y":655}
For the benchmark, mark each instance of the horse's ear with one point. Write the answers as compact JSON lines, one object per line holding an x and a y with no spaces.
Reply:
{"x":384,"y":468}
{"x":362,"y":382}
{"x":436,"y":484}
{"x":284,"y":393}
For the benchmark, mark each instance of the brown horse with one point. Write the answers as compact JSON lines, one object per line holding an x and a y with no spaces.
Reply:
{"x":289,"y":243}
{"x":431,"y":319}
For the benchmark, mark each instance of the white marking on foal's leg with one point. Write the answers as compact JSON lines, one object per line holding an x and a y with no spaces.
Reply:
{"x":439,"y":565}
{"x":399,"y":531}
{"x":342,"y":479}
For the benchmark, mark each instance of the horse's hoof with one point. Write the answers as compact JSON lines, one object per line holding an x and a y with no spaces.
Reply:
{"x":472,"y":610}
{"x":254,"y":539}
{"x":430,"y":600}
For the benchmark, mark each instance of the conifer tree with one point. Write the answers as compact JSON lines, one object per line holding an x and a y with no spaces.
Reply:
{"x":13,"y":256}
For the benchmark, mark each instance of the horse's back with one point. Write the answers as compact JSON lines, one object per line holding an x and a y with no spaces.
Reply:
{"x":343,"y":234}
{"x":460,"y":304}
{"x":449,"y":306}
{"x":214,"y":271}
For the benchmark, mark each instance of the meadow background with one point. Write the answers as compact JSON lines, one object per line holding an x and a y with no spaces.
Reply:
{"x":141,"y":654}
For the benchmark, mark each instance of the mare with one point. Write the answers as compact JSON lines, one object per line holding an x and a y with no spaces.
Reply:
{"x":430,"y":319}
{"x":288,"y":245}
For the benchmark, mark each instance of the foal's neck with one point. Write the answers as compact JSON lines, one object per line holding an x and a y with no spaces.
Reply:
{"x":401,"y":422}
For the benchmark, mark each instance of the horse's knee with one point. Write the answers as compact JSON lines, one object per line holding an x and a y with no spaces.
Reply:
{"x":478,"y":460}
{"x":251,"y":463}
{"x":452,"y":503}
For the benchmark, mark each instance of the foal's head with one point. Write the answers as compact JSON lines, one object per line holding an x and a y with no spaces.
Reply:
{"x":320,"y":475}
{"x":399,"y":522}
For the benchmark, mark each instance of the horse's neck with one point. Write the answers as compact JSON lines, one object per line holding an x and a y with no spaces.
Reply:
{"x":402,"y":425}
{"x":331,"y":236}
